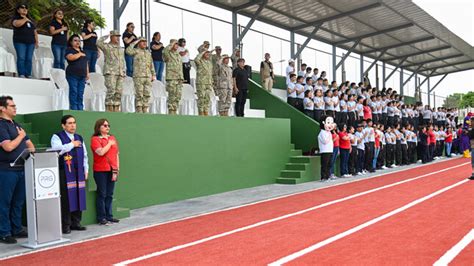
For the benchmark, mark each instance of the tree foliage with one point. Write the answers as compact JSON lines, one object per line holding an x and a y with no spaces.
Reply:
{"x":467,"y":100}
{"x":41,"y":11}
{"x":453,"y":100}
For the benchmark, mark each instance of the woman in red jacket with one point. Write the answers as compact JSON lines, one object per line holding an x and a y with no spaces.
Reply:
{"x":106,"y":167}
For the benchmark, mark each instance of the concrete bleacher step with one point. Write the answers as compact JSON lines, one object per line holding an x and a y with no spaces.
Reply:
{"x":296,"y":166}
{"x":280,"y":94}
{"x":300,"y":169}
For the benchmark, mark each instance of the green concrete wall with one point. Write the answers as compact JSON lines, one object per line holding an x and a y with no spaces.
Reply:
{"x":169,"y":158}
{"x":304,"y":130}
{"x":278,"y":83}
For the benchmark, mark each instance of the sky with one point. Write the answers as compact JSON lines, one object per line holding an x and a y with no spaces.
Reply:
{"x":456,"y":15}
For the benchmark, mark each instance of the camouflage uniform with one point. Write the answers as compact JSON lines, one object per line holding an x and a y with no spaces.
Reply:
{"x":224,"y":85}
{"x":174,"y":76}
{"x":215,"y":59}
{"x":202,"y":47}
{"x":234,"y":58}
{"x":203,"y":82}
{"x":143,"y":72}
{"x":114,"y":70}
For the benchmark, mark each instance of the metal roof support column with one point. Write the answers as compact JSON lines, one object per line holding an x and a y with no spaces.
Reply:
{"x":334,"y":69}
{"x":361,"y":61}
{"x":383,"y":74}
{"x":252,"y":20}
{"x":412,"y":74}
{"x":234,"y":30}
{"x":429,"y":91}
{"x":292,"y":44}
{"x":118,"y":10}
{"x":347,"y":54}
{"x":401,"y":82}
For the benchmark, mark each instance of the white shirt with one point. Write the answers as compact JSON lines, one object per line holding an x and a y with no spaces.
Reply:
{"x":289,"y":70}
{"x":325,"y":142}
{"x":291,"y":86}
{"x":329,"y":103}
{"x":318,"y":103}
{"x":335,"y":100}
{"x":308,"y":104}
{"x":184,"y":59}
{"x":351,"y":106}
{"x":360,"y":109}
{"x":57,"y":144}
{"x":360,"y":136}
{"x":300,"y":87}
{"x":426,"y":114}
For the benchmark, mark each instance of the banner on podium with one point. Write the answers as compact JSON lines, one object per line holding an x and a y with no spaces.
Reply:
{"x":47,"y":183}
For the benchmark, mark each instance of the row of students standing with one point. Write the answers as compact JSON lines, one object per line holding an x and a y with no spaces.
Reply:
{"x":371,"y":146}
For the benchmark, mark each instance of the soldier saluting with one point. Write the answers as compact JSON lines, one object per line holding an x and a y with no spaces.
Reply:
{"x":204,"y":81}
{"x":143,"y":74}
{"x":174,"y":75}
{"x":114,"y":70}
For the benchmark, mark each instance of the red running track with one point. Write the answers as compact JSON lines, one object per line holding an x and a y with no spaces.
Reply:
{"x":283,"y":236}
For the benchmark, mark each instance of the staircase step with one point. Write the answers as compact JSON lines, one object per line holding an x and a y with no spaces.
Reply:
{"x":292,"y":146}
{"x":291,"y":173}
{"x":296,"y":166}
{"x":299,"y":159}
{"x":294,"y":152}
{"x":287,"y":181}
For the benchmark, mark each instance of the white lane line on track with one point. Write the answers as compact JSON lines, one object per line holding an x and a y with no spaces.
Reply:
{"x":455,"y":250}
{"x":221,"y":210}
{"x":203,"y":240}
{"x":361,"y":226}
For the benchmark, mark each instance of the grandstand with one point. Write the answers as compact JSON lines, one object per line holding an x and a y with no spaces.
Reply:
{"x":193,"y":169}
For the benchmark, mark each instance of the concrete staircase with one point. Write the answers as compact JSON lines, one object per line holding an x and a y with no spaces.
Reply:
{"x":300,"y":168}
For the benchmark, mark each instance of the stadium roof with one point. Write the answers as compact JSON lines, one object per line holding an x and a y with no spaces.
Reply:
{"x":397,"y":32}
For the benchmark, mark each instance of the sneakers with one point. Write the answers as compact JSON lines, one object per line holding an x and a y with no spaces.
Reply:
{"x":359,"y":173}
{"x":393,"y":165}
{"x":471,"y":178}
{"x":347,"y":175}
{"x":103,"y":222}
{"x":384,"y":167}
{"x":7,"y":240}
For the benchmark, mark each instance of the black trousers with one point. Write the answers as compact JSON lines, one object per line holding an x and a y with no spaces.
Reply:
{"x":331,"y":113}
{"x":291,"y":101}
{"x":381,"y":158}
{"x":325,"y":165}
{"x":68,"y":218}
{"x":318,"y":114}
{"x":375,"y":118}
{"x":384,"y":119}
{"x":240,"y":100}
{"x":186,"y":73}
{"x":398,"y":153}
{"x":353,"y":161}
{"x":431,"y":151}
{"x":425,"y":153}
{"x":309,"y":113}
{"x":299,"y":104}
{"x":411,"y":152}
{"x":352,"y":119}
{"x":404,"y":153}
{"x":390,"y":154}
{"x":369,"y":156}
{"x":343,"y":119}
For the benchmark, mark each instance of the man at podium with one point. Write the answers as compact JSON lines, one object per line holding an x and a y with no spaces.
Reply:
{"x":13,"y":141}
{"x":73,"y":169}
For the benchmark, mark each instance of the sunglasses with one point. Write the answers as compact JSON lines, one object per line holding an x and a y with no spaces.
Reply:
{"x":106,"y":125}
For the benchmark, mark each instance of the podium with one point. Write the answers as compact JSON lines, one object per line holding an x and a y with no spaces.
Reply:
{"x":43,"y":198}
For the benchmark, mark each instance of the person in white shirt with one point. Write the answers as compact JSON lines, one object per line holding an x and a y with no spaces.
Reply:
{"x":314,"y":77}
{"x":302,"y":71}
{"x":185,"y":59}
{"x":326,"y":146}
{"x":337,"y":108}
{"x":329,"y":103}
{"x":290,"y":69}
{"x":343,"y":109}
{"x":319,"y":85}
{"x":291,"y":91}
{"x":353,"y":155}
{"x":309,"y":84}
{"x":319,"y":105}
{"x":427,"y":115}
{"x":299,"y":93}
{"x":308,"y":103}
{"x":351,"y":110}
{"x":360,"y":150}
{"x":360,"y":109}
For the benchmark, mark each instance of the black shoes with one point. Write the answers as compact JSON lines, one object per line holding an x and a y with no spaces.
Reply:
{"x":103,"y":222}
{"x":471,"y":178}
{"x":22,"y":234}
{"x":8,"y":240}
{"x":113,"y":220}
{"x":78,"y":228}
{"x":66,"y":231}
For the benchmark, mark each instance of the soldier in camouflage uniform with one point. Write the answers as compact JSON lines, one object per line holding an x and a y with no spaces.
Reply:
{"x":204,"y":81}
{"x":215,"y":59}
{"x":224,"y":85}
{"x":114,"y":70}
{"x":143,"y":74}
{"x":203,"y":47}
{"x":174,"y":75}
{"x":235,"y":57}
